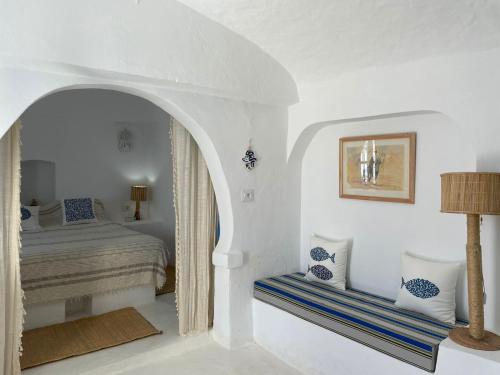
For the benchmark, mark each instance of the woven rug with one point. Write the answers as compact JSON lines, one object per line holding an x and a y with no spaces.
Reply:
{"x":169,"y":286}
{"x":69,"y":339}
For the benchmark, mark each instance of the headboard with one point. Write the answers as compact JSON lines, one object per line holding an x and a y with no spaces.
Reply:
{"x":51,"y":214}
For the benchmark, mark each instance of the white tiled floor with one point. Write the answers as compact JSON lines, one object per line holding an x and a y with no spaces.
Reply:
{"x":168,"y":353}
{"x":215,"y":360}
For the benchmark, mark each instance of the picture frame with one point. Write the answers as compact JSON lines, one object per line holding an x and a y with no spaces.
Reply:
{"x":378,"y":167}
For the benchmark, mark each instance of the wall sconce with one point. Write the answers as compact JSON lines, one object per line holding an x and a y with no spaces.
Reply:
{"x":125,"y":140}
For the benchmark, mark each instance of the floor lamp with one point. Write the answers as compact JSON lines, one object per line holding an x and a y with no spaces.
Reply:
{"x":473,"y":194}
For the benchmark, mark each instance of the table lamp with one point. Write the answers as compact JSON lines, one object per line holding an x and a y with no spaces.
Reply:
{"x":473,"y":194}
{"x":138,"y":193}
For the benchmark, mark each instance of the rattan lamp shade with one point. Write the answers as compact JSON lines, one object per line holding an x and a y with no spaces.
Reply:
{"x":470,"y":193}
{"x":139,"y":193}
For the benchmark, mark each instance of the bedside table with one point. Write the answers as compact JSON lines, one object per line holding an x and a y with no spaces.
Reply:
{"x":151,"y":227}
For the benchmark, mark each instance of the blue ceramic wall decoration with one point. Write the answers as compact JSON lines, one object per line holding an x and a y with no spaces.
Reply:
{"x":250,"y":159}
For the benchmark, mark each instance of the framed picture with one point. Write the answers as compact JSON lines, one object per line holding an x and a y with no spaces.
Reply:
{"x":378,"y":167}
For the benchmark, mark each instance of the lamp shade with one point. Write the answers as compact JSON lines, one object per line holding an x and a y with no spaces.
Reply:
{"x":139,"y":193}
{"x":470,"y":193}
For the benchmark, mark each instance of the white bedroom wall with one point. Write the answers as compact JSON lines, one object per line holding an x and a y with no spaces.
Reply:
{"x":78,"y":131}
{"x":381,"y":231}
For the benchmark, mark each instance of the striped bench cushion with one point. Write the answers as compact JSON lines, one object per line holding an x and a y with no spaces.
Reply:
{"x":371,"y":320}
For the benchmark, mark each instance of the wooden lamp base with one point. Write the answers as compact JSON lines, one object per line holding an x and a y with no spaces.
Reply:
{"x":137,"y":214}
{"x":461,"y":336}
{"x":474,"y":194}
{"x":475,"y":336}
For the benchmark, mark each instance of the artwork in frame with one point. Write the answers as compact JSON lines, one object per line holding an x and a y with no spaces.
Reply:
{"x":378,"y":167}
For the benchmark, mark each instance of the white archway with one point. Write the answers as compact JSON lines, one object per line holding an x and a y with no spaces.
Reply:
{"x":222,"y":257}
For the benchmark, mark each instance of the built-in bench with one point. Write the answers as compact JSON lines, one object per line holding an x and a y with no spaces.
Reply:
{"x":368,"y":319}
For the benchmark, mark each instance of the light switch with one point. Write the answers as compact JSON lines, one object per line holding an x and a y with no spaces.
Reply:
{"x":247,"y":195}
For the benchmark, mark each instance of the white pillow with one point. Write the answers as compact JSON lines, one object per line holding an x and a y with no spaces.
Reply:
{"x":30,"y":218}
{"x":428,"y":287}
{"x":78,"y":211}
{"x":327,"y":261}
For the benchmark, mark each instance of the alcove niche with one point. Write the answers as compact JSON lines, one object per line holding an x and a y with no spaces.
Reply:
{"x":38,"y":182}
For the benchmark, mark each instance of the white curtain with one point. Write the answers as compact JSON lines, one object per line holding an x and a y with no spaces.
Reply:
{"x":195,"y":211}
{"x":11,"y":294}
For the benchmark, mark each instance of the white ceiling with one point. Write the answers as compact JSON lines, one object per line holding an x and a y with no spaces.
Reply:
{"x":319,"y":39}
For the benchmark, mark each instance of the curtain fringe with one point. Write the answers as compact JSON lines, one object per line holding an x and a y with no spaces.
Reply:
{"x":176,"y":209}
{"x":12,"y":326}
{"x":20,"y":310}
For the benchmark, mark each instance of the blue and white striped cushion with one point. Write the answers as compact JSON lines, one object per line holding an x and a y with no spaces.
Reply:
{"x":371,"y":320}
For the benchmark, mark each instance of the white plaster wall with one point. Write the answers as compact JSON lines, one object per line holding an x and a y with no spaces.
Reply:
{"x":381,"y":231}
{"x":463,"y":87}
{"x":158,"y":39}
{"x":78,"y":131}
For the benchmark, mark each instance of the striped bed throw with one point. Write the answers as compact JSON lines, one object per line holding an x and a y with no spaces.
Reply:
{"x":64,"y":262}
{"x":368,"y":319}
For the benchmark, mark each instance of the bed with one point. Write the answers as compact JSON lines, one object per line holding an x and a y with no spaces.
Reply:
{"x":105,"y":261}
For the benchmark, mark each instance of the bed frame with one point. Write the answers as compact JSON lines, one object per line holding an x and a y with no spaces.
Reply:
{"x":45,"y":314}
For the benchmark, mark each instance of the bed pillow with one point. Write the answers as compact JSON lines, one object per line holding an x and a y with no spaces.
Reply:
{"x":78,"y":211}
{"x":30,"y":218}
{"x":428,"y":287}
{"x":327,"y":261}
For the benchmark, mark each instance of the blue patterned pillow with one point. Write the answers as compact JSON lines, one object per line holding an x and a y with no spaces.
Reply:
{"x":428,"y":287}
{"x":327,"y":261}
{"x":78,"y":211}
{"x":29,"y":218}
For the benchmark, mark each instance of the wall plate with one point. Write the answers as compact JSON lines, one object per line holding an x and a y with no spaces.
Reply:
{"x":247,"y":195}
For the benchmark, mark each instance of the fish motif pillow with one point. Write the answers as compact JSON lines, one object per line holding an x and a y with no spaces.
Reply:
{"x":327,"y":261}
{"x":30,"y":218}
{"x":428,"y":287}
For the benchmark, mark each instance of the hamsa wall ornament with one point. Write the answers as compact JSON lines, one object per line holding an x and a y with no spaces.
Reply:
{"x":249,"y":159}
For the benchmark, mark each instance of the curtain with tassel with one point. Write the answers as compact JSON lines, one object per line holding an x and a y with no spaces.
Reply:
{"x":195,"y":210}
{"x":11,"y":294}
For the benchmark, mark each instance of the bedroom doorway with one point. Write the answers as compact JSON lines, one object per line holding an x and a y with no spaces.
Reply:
{"x":104,"y":146}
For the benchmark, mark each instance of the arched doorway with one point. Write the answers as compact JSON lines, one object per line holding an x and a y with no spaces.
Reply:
{"x":212,"y":161}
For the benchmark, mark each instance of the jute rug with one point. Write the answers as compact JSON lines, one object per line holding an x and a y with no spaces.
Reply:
{"x":69,"y":339}
{"x":169,"y":286}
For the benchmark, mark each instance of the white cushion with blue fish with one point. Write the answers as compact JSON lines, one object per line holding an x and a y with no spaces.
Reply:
{"x":428,"y":286}
{"x":78,"y":211}
{"x":30,"y":218}
{"x":327,"y":261}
